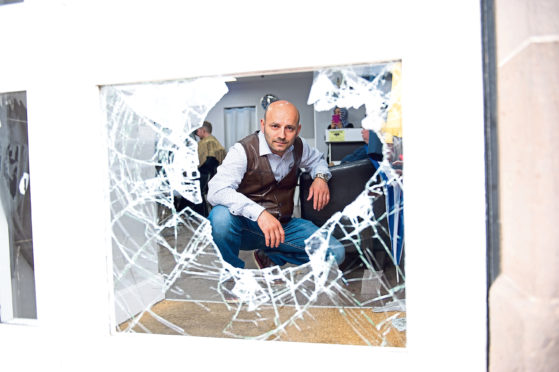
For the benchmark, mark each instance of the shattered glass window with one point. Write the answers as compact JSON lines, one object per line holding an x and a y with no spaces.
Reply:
{"x":17,"y":282}
{"x":169,"y":276}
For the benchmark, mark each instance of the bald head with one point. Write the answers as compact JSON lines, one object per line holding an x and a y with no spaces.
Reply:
{"x":281,"y":106}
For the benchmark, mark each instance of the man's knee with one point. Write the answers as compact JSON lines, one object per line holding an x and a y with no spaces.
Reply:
{"x":220,"y":218}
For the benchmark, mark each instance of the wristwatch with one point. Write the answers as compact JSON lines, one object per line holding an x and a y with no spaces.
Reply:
{"x":324,"y":176}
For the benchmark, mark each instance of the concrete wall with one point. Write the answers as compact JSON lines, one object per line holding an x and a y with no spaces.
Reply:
{"x":524,"y":299}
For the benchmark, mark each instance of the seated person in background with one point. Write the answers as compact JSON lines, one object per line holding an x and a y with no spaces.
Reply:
{"x":336,"y":119}
{"x":372,"y":148}
{"x":253,"y":191}
{"x":340,"y":119}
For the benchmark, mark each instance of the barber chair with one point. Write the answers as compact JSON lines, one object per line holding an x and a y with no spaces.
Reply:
{"x":347,"y":182}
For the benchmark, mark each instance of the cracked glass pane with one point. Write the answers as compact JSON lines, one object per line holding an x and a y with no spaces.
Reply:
{"x":17,"y":267}
{"x":170,"y":276}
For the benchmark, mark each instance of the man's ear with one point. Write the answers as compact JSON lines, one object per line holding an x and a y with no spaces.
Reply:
{"x":262,"y":124}
{"x":298,"y":129}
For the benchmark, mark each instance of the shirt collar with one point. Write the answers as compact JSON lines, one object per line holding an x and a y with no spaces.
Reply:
{"x":264,"y":149}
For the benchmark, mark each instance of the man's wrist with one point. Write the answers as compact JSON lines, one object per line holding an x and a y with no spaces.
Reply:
{"x":253,"y":212}
{"x":323,"y":176}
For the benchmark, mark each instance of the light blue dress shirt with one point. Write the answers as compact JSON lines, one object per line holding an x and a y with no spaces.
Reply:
{"x":222,"y":188}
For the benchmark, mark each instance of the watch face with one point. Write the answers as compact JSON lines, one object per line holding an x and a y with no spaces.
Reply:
{"x":267,"y":99}
{"x":323,"y":176}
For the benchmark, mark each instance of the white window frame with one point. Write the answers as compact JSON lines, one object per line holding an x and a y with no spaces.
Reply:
{"x":67,"y":49}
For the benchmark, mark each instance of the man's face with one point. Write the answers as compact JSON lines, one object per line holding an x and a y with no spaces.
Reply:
{"x":280,"y":126}
{"x":200,"y":132}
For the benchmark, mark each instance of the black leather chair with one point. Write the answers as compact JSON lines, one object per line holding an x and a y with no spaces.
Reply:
{"x":347,"y":182}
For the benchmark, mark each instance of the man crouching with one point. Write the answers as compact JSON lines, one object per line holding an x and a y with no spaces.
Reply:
{"x":252,"y":193}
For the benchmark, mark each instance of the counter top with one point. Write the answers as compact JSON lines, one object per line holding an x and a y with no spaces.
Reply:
{"x":343,"y":135}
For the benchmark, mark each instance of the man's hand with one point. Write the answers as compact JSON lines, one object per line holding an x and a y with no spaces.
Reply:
{"x":321,"y":193}
{"x":272,"y":229}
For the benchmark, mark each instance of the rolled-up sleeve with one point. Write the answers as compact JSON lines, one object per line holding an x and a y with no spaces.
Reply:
{"x":222,"y":188}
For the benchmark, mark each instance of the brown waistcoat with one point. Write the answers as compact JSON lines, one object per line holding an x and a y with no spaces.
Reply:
{"x":260,"y":185}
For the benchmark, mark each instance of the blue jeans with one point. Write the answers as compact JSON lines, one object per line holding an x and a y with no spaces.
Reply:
{"x":234,"y":233}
